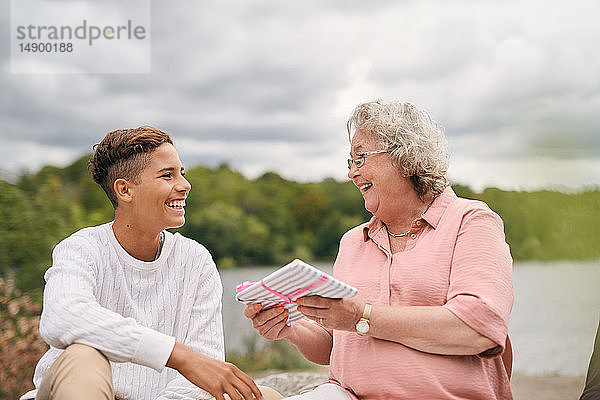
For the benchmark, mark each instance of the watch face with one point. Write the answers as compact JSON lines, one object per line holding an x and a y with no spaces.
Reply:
{"x":362,"y":326}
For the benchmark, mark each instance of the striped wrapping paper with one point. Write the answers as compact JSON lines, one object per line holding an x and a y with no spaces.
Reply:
{"x":289,"y":281}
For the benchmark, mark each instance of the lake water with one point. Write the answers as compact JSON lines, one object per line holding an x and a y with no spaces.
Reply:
{"x":552,"y":325}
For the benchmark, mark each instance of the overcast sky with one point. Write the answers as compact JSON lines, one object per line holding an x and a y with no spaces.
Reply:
{"x":268,"y":85}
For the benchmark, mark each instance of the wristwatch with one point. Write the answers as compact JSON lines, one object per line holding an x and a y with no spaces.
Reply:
{"x":362,"y":326}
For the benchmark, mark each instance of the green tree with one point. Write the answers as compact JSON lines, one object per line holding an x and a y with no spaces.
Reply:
{"x":310,"y":208}
{"x":268,"y":220}
{"x":19,"y":244}
{"x":229,"y":234}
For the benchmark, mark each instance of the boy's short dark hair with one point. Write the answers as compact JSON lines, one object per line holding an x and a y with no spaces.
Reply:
{"x":124,"y":154}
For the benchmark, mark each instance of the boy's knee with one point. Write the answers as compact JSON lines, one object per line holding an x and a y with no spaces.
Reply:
{"x":80,"y":372}
{"x":85,"y":360}
{"x":81,"y":353}
{"x":86,"y":363}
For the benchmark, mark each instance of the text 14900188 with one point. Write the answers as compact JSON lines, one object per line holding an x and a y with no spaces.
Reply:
{"x":48,"y":47}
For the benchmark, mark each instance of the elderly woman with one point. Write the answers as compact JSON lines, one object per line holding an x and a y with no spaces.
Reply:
{"x":433,"y":273}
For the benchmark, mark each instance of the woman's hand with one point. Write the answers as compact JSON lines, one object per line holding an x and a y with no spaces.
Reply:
{"x":341,"y":314}
{"x":270,"y":323}
{"x":313,"y":341}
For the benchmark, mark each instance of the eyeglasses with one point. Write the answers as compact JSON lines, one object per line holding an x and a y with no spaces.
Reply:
{"x":360,"y":159}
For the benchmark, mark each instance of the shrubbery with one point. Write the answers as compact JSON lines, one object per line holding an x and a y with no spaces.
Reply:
{"x":268,"y":220}
{"x":20,"y":343}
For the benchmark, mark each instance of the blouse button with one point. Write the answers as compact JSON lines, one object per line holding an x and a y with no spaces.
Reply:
{"x":418,"y":223}
{"x":412,"y":236}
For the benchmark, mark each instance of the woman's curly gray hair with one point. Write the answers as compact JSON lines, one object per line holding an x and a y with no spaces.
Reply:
{"x":416,"y":143}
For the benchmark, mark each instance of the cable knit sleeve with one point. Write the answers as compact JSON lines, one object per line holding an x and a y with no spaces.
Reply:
{"x":71,"y":313}
{"x":205,"y":328}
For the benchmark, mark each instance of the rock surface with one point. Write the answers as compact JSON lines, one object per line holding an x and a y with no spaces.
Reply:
{"x":291,"y":383}
{"x":524,"y":387}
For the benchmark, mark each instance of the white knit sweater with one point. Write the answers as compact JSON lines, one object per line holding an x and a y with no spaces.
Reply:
{"x":132,"y":311}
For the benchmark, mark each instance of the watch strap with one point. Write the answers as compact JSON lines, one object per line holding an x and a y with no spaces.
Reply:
{"x":367,"y":311}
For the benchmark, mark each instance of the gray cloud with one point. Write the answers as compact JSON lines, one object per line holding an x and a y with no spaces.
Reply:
{"x":510,"y":82}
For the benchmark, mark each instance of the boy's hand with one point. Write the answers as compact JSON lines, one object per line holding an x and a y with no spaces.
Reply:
{"x":214,"y":376}
{"x":270,"y":323}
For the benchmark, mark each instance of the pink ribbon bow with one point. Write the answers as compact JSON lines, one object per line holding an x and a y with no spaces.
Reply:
{"x":286,"y":299}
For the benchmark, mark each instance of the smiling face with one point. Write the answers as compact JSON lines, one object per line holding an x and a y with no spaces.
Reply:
{"x":379,"y":181}
{"x":158,"y":199}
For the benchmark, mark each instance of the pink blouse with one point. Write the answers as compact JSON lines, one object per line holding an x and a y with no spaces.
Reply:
{"x":456,"y":257}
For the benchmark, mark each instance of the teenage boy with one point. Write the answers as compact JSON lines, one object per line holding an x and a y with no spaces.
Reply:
{"x":127,"y":298}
